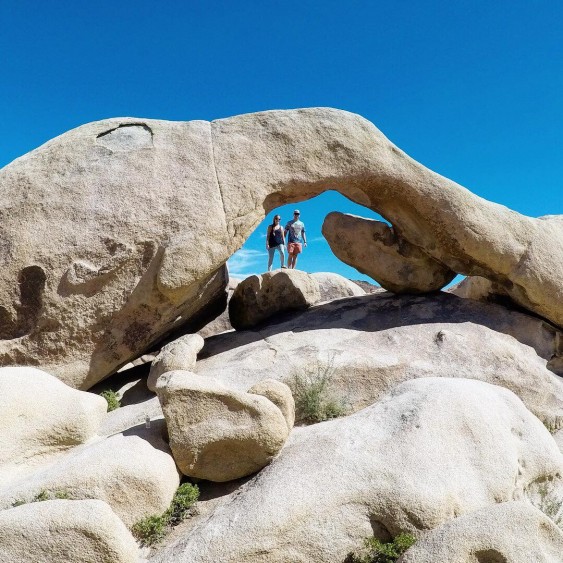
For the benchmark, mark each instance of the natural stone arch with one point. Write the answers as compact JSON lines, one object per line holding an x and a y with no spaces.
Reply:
{"x":279,"y":157}
{"x":176,"y":199}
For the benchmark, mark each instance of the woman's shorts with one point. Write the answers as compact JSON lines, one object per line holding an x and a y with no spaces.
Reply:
{"x":294,"y":248}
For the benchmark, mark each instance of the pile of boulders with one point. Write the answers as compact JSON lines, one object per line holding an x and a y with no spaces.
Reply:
{"x":91,"y":487}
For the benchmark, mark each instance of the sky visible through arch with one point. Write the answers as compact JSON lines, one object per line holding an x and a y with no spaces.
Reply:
{"x":471,"y":89}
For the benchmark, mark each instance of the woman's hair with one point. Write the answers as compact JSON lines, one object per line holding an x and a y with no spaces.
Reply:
{"x":274,"y":219}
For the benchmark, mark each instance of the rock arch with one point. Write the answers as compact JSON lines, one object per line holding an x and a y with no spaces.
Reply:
{"x":279,"y":157}
{"x":179,"y":198}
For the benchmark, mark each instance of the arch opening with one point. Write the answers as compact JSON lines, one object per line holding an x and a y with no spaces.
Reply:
{"x":252,"y":258}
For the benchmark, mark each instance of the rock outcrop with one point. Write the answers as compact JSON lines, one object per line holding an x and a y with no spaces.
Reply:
{"x":101,"y":251}
{"x":377,"y":341}
{"x":63,"y":531}
{"x":216,"y":433}
{"x":127,"y":259}
{"x":453,"y":401}
{"x":509,"y":531}
{"x":375,"y":249}
{"x":41,"y":417}
{"x":181,"y":354}
{"x":334,"y":286}
{"x":258,"y":298}
{"x":133,"y":477}
{"x":256,"y":157}
{"x":387,"y":469}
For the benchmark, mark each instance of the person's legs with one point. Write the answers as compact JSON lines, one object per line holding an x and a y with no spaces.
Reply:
{"x":281,"y":249}
{"x":290,"y":259}
{"x":270,"y":258}
{"x":290,"y":256}
{"x":294,"y":249}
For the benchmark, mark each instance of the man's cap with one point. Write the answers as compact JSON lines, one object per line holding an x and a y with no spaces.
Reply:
{"x":296,"y":212}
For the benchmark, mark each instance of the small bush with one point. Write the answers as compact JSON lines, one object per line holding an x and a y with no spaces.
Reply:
{"x":43,"y":495}
{"x":152,"y":529}
{"x":311,"y":390}
{"x":184,"y":498}
{"x":376,"y":551}
{"x":544,"y":496}
{"x":112,"y":399}
{"x":552,"y":427}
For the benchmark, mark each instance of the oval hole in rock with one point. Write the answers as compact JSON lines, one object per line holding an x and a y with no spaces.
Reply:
{"x":490,"y":556}
{"x":252,"y":258}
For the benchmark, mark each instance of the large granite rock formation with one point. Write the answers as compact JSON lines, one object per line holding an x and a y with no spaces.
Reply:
{"x":116,"y":232}
{"x":100,"y":260}
{"x":374,"y":342}
{"x":387,"y":469}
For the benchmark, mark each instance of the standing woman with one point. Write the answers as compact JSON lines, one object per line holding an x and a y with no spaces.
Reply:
{"x":275,"y":240}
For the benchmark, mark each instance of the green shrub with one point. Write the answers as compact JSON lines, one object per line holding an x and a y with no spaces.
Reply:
{"x":552,"y":427}
{"x":543,"y":495}
{"x":152,"y":529}
{"x":376,"y":551}
{"x":112,"y":399}
{"x":314,"y":400}
{"x":184,"y":498}
{"x":43,"y":495}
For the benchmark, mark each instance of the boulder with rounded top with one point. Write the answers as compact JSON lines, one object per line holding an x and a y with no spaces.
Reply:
{"x":335,"y":286}
{"x":216,"y":433}
{"x":63,"y":531}
{"x":40,"y":418}
{"x":259,"y":298}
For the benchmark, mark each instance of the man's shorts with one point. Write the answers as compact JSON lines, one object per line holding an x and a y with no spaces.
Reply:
{"x":294,"y":248}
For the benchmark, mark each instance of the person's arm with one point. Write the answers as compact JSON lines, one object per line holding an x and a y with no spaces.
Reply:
{"x":268,"y":237}
{"x":304,"y":236}
{"x":286,"y":232}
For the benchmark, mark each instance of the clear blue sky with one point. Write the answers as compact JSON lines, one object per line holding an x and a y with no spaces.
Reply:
{"x":472,"y":89}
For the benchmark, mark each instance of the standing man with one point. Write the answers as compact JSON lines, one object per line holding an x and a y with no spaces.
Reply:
{"x":295,"y":232}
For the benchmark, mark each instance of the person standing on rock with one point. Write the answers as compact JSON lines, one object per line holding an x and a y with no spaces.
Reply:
{"x":296,"y":239}
{"x":275,"y":240}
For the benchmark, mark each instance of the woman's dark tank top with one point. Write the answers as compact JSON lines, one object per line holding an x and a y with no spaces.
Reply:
{"x":275,"y":237}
